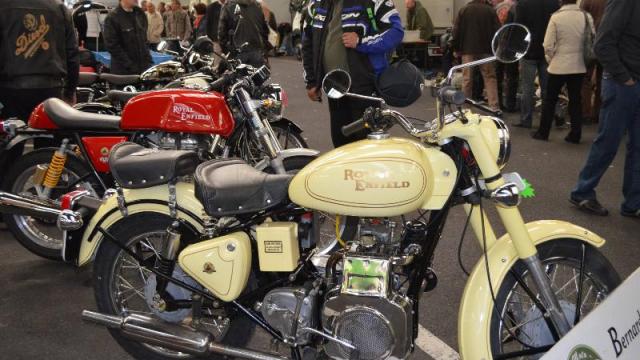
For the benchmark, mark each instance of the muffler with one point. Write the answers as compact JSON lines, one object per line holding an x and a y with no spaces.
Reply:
{"x":174,"y":337}
{"x":41,"y":209}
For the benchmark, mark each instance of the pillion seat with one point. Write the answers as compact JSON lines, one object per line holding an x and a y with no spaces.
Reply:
{"x":66,"y":117}
{"x":233,"y":187}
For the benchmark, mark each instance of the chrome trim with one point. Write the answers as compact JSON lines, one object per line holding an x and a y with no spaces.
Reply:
{"x":378,"y":135}
{"x":505,"y":142}
{"x":69,"y":220}
{"x":506,"y":196}
{"x":18,"y":205}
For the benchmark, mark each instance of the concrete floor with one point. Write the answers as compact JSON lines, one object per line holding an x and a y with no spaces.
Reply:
{"x":41,"y":301}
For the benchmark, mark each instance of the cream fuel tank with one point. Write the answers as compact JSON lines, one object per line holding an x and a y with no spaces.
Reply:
{"x":376,"y":178}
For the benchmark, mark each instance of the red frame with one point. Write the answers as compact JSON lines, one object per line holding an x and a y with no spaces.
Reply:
{"x":99,"y":148}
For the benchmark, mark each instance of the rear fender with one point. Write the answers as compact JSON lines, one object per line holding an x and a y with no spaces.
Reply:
{"x":476,"y":306}
{"x":149,"y":200}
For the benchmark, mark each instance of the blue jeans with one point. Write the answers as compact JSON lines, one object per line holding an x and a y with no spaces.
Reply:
{"x":619,"y":115}
{"x":528,"y":71}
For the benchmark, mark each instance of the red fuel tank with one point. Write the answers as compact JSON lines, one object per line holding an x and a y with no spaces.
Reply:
{"x":179,"y":110}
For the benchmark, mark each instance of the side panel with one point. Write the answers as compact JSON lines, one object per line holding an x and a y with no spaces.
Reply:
{"x":476,"y":306}
{"x":142,"y":200}
{"x":99,"y":148}
{"x":179,"y":110}
{"x":376,"y":178}
{"x":222,"y":264}
{"x":40,"y":120}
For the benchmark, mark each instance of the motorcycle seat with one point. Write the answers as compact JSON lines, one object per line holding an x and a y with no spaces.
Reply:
{"x":122,"y":97}
{"x":120,"y":79}
{"x":135,"y":167}
{"x":66,"y":117}
{"x":87,"y":78}
{"x":233,"y":187}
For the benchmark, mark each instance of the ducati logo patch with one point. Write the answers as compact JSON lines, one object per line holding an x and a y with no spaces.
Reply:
{"x":33,"y":39}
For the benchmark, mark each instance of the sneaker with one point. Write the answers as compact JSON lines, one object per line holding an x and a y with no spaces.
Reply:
{"x":633,"y":214}
{"x":591,"y":206}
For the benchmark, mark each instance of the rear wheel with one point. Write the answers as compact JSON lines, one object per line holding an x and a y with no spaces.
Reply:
{"x":122,"y":286}
{"x":521,"y":325}
{"x":38,"y":236}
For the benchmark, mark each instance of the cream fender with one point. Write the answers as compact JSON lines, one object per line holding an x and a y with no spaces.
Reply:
{"x":152,"y":199}
{"x":476,"y":306}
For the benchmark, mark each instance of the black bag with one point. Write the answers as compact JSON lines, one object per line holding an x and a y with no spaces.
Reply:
{"x":401,"y":84}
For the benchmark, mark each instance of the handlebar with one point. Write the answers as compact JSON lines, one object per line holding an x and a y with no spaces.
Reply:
{"x":354,"y":127}
{"x":451,"y":95}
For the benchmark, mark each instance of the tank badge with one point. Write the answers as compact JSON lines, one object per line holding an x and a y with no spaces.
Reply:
{"x":208,"y":268}
{"x":363,"y":180}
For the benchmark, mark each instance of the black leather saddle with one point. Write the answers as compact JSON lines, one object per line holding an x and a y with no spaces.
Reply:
{"x":232,"y":187}
{"x":120,"y":79}
{"x":135,"y":167}
{"x":66,"y":117}
{"x":122,"y":97}
{"x":86,"y":79}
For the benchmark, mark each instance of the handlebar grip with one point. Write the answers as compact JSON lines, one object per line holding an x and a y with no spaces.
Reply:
{"x":451,"y":95}
{"x":354,"y":127}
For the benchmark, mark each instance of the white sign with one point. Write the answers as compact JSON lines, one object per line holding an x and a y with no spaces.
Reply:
{"x":95,"y":19}
{"x":610,"y":332}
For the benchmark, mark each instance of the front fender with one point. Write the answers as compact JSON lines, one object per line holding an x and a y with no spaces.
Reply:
{"x":154,"y":199}
{"x":476,"y":306}
{"x":284,"y":122}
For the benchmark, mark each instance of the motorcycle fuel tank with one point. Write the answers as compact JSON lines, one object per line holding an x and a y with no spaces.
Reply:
{"x":179,"y":110}
{"x":165,"y":71}
{"x":376,"y":178}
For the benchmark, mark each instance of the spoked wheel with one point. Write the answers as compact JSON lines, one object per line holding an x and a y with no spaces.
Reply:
{"x":580,"y":276}
{"x":122,"y":285}
{"x":42,"y":237}
{"x":250,"y":150}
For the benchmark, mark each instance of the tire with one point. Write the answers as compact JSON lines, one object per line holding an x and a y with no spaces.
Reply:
{"x":42,"y":239}
{"x":294,"y":136}
{"x":240,"y":329}
{"x":555,"y":256}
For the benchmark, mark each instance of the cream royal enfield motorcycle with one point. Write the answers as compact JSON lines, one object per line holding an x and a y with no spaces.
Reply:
{"x":188,"y":269}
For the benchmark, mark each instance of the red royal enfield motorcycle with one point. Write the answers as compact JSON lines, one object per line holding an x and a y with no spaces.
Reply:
{"x":247,"y":123}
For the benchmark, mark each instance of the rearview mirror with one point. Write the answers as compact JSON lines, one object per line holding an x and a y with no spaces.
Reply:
{"x":162,"y":46}
{"x":511,"y":43}
{"x":336,"y":84}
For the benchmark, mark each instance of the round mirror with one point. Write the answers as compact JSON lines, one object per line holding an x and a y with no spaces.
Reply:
{"x":511,"y":43}
{"x":336,"y":84}
{"x":162,"y":46}
{"x":194,"y":58}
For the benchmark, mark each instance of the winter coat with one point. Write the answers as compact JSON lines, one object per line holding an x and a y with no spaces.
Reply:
{"x":253,"y":30}
{"x":418,"y":19}
{"x":379,"y":30}
{"x":178,"y":25}
{"x":213,"y":18}
{"x":38,"y":47}
{"x":475,"y":26}
{"x":535,"y":15}
{"x":125,"y":37}
{"x":155,"y":27}
{"x":564,"y":40}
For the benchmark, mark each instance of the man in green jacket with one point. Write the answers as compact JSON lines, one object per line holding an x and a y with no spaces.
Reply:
{"x":418,"y":19}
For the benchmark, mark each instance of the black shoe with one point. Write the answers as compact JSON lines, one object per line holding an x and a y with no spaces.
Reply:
{"x":572,"y":140}
{"x":633,"y":214}
{"x":536,"y":135}
{"x":590,"y":206}
{"x":521,"y":125}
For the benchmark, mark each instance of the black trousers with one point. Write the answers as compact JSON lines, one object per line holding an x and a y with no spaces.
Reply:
{"x":509,"y":74}
{"x":343,"y":112}
{"x":21,"y":102}
{"x":554,"y":86}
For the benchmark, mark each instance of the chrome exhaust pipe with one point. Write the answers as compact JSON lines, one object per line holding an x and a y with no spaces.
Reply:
{"x":174,"y":337}
{"x":66,"y":220}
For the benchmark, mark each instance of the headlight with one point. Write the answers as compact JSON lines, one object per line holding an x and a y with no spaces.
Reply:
{"x":497,"y":136}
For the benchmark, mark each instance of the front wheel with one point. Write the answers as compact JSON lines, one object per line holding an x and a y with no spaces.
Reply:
{"x":519,"y":325}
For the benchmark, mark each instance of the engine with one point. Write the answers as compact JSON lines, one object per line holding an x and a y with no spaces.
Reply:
{"x":177,"y":141}
{"x":362,"y":311}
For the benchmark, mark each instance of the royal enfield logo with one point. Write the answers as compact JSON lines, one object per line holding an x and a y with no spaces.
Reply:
{"x":105,"y":155}
{"x":33,"y":39}
{"x":583,"y":352}
{"x":363,"y":181}
{"x":186,"y":113}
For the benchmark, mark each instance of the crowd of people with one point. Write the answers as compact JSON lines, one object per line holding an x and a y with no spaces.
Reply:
{"x":591,"y":49}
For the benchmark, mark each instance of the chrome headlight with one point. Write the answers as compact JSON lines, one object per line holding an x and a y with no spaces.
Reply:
{"x":505,"y":142}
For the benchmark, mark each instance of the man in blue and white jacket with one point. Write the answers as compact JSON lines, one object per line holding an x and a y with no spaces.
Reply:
{"x":357,"y":36}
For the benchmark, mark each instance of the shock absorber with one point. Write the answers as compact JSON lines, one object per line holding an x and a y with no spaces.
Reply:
{"x":55,"y":169}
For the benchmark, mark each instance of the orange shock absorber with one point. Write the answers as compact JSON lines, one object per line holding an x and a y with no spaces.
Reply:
{"x":56,"y":167}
